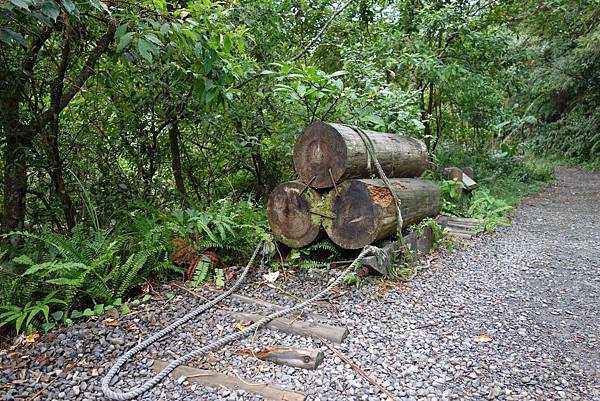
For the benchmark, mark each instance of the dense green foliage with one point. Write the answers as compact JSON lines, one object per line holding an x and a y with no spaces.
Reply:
{"x":140,"y":139}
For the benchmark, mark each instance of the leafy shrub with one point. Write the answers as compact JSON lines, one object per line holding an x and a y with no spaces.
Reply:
{"x":56,"y":273}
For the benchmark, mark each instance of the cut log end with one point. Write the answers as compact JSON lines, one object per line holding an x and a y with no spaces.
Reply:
{"x":289,"y":211}
{"x":320,"y":152}
{"x":355,"y":216}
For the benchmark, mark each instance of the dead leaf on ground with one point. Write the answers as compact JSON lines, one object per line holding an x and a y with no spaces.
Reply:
{"x":110,"y":321}
{"x":271,"y":277}
{"x":244,"y":325}
{"x":132,"y":327}
{"x":30,"y":339}
{"x":483,"y":338}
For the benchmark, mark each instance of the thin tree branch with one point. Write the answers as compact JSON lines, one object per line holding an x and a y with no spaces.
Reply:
{"x":86,"y":71}
{"x":306,"y":48}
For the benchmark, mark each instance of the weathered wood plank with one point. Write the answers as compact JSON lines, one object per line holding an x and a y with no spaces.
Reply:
{"x":454,"y":173}
{"x":296,"y":357}
{"x":215,"y":379}
{"x":298,"y":327}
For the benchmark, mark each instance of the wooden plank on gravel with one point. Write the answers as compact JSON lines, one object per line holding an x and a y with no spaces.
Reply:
{"x":462,"y":221}
{"x":215,"y":379}
{"x":296,"y":357}
{"x":299,"y":327}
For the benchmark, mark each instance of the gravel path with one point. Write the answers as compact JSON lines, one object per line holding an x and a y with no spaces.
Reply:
{"x":513,"y":316}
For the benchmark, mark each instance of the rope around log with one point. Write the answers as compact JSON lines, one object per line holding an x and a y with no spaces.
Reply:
{"x":136,"y":392}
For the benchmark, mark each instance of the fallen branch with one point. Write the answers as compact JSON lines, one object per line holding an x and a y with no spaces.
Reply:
{"x":361,"y":372}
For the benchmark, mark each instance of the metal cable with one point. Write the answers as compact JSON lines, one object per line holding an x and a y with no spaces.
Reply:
{"x":136,"y":392}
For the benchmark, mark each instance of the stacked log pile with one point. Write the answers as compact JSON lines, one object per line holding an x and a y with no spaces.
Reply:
{"x":337,"y":196}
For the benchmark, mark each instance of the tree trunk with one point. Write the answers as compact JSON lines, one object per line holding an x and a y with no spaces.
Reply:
{"x":335,"y":152}
{"x":365,"y":212}
{"x":294,"y":215}
{"x":176,"y":160}
{"x":16,"y":160}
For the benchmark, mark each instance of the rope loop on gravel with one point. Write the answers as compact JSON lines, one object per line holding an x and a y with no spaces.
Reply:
{"x":137,"y":391}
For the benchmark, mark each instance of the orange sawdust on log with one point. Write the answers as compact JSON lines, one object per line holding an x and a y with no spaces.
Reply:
{"x":380,"y":196}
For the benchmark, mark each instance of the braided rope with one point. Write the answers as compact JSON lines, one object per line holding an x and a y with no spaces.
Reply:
{"x":136,"y":392}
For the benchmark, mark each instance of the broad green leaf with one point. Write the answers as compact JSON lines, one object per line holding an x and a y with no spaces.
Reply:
{"x":301,"y":90}
{"x":48,"y":326}
{"x":152,"y":38}
{"x":57,"y":315}
{"x":24,"y":4}
{"x":144,"y":48}
{"x":338,"y":74}
{"x":124,"y":41}
{"x":375,"y":119}
{"x":70,"y":7}
{"x":50,"y":9}
{"x":8,"y":36}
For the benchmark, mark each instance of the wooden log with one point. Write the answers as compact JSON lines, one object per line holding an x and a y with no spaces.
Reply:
{"x":215,"y":379}
{"x":296,"y":357}
{"x":297,"y":327}
{"x":326,"y":153}
{"x":365,"y":212}
{"x":454,"y":173}
{"x":419,"y":243}
{"x":292,"y":211}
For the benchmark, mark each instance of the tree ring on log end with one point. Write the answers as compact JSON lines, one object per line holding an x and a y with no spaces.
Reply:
{"x":290,"y":214}
{"x":354,"y":224}
{"x":318,"y":149}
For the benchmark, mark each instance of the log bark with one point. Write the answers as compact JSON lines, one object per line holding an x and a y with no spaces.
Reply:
{"x":296,"y":357}
{"x":293,"y":214}
{"x":419,"y":243}
{"x":365,"y":212}
{"x":335,"y":152}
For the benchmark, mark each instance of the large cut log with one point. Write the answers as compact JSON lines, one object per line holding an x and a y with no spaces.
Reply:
{"x":293,"y":214}
{"x":364,"y":210}
{"x":328,"y":152}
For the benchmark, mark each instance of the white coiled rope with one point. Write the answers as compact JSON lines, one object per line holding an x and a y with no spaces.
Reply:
{"x":137,"y":391}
